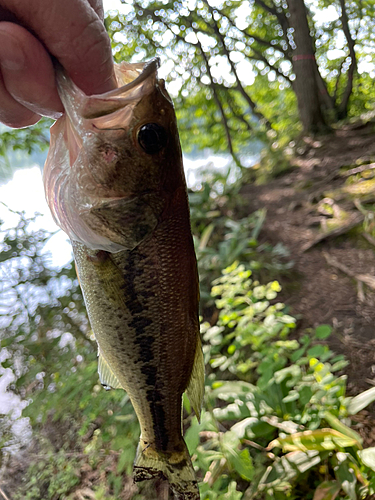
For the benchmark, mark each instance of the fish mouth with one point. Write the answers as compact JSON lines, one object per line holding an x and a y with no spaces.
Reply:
{"x":135,"y":81}
{"x":126,"y":74}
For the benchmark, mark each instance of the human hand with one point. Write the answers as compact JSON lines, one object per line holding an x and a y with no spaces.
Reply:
{"x":30,"y":32}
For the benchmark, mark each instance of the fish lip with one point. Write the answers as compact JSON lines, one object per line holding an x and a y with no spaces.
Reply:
{"x":121,"y":96}
{"x":149,"y":68}
{"x":81,"y":107}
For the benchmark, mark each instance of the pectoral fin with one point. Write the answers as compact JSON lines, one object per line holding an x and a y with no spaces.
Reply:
{"x":125,"y":221}
{"x":106,"y":376}
{"x":195,"y":389}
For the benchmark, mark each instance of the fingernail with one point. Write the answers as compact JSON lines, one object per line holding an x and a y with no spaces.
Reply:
{"x":12,"y":56}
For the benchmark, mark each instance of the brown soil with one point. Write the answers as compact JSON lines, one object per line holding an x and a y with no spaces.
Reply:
{"x":297,"y":217}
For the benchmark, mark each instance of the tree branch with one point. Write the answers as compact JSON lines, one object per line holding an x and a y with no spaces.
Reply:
{"x":261,"y":57}
{"x":248,"y":34}
{"x":343,"y":106}
{"x":218,"y":103}
{"x":238,"y":114}
{"x":240,"y":87}
{"x":281,"y":17}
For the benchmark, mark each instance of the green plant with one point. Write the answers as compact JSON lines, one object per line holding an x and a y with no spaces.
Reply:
{"x":278,"y":419}
{"x":52,"y":475}
{"x":221,"y":238}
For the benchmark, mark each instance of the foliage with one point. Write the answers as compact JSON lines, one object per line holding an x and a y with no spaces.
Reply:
{"x":277,"y":418}
{"x":18,"y":147}
{"x":278,"y":415}
{"x":231,"y":67}
{"x":221,"y":237}
{"x":51,"y":476}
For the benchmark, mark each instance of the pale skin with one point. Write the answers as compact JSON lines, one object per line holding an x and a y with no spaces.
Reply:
{"x":31,"y":31}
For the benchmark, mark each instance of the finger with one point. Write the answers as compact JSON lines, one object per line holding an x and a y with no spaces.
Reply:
{"x":12,"y":113}
{"x":27,"y":71}
{"x":73,"y":32}
{"x":97,"y":5}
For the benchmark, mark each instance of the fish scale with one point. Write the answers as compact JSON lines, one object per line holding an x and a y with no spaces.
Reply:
{"x":114,"y":181}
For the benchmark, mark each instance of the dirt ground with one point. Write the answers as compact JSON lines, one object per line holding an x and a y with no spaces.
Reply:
{"x":324,"y":204}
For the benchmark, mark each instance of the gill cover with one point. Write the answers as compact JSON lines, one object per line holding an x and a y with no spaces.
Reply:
{"x":71,"y":189}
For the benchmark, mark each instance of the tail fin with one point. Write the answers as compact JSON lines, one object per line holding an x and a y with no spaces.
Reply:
{"x":175,"y":467}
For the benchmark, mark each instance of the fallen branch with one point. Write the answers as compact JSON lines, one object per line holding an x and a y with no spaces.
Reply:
{"x":367,"y":279}
{"x":344,"y":228}
{"x":358,"y":170}
{"x":2,"y":493}
{"x":360,"y":292}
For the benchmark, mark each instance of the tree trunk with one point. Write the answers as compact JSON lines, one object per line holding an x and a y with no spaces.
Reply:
{"x":343,"y":106}
{"x":306,"y":70}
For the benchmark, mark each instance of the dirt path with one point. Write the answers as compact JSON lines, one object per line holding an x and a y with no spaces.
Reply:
{"x":321,"y":198}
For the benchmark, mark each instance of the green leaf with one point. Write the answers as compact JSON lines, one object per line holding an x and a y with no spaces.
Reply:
{"x":305,"y":394}
{"x":239,"y":460}
{"x":297,"y":354}
{"x":320,"y":439}
{"x":243,"y":464}
{"x":361,"y":401}
{"x":345,"y":475}
{"x":317,"y":351}
{"x":323,"y":331}
{"x":368,"y":457}
{"x":335,"y":423}
{"x":339,"y":365}
{"x":328,"y":490}
{"x":292,"y":371}
{"x":302,"y":460}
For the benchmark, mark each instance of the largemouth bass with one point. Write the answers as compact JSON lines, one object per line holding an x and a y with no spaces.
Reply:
{"x":115,"y":184}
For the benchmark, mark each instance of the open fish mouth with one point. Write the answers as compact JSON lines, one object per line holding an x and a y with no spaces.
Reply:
{"x":135,"y":81}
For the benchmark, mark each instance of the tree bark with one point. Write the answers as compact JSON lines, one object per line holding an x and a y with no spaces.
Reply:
{"x":306,"y":70}
{"x":343,"y":106}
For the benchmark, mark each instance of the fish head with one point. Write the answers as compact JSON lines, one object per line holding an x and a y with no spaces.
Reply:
{"x":114,"y":159}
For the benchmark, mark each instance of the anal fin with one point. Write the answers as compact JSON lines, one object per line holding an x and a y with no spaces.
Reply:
{"x":195,"y":388}
{"x":107,"y":378}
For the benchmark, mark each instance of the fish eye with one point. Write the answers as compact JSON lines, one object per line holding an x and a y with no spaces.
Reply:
{"x":152,"y":138}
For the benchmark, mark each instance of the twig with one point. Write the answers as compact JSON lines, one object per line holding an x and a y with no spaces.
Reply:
{"x":367,"y":279}
{"x":3,"y":494}
{"x":318,"y":185}
{"x":360,"y":292}
{"x":344,"y":228}
{"x":85,"y":492}
{"x":358,"y":170}
{"x":358,"y":205}
{"x":254,"y":445}
{"x":369,"y":238}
